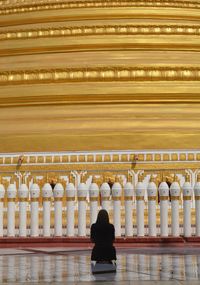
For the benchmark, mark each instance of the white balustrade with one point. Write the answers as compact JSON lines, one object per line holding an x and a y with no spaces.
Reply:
{"x":164,"y":197}
{"x":23,"y":202}
{"x":152,"y":195}
{"x":140,"y":190}
{"x":128,"y":203}
{"x":35,"y":194}
{"x":187,"y":196}
{"x":58,"y":192}
{"x":116,"y":194}
{"x":46,"y":197}
{"x":82,"y":195}
{"x":11,"y":193}
{"x":94,"y":197}
{"x":175,"y":196}
{"x":70,"y":196}
{"x":2,"y":194}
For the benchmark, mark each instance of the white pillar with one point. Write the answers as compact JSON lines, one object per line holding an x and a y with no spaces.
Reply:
{"x":11,"y":192}
{"x":187,"y":193}
{"x":35,"y":194}
{"x":2,"y":194}
{"x":105,"y":196}
{"x":46,"y":195}
{"x":23,"y":200}
{"x":152,"y":194}
{"x":58,"y":197}
{"x":140,"y":190}
{"x":175,"y":196}
{"x":197,"y":204}
{"x":70,"y":195}
{"x":128,"y":203}
{"x":82,"y":195}
{"x":117,"y":194}
{"x":164,"y":197}
{"x":94,"y":196}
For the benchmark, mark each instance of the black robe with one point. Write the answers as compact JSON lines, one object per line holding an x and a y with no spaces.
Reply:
{"x":103,"y":235}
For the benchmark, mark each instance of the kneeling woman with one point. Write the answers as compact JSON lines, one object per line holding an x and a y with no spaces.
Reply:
{"x":103,"y":235}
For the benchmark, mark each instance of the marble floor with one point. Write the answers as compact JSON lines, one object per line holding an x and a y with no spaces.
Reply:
{"x":137,"y":266}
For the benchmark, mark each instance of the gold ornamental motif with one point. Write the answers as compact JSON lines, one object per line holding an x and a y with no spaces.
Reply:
{"x":43,"y":5}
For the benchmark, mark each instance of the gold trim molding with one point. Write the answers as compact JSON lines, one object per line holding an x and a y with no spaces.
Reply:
{"x":192,"y":30}
{"x":115,"y":73}
{"x":43,"y":5}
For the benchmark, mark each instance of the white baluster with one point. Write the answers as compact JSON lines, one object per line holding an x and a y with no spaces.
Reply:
{"x":197,"y":204}
{"x":35,"y":194}
{"x":70,"y":195}
{"x":187,"y":193}
{"x":46,"y":195}
{"x":117,"y":193}
{"x":128,"y":203}
{"x":23,"y":201}
{"x":175,"y":196}
{"x":152,"y":194}
{"x":82,"y":194}
{"x":58,"y":196}
{"x":140,"y":190}
{"x":11,"y":192}
{"x":2,"y":194}
{"x":105,"y":196}
{"x":164,"y":197}
{"x":94,"y":196}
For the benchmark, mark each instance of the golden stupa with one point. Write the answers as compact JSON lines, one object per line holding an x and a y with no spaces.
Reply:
{"x":99,"y":74}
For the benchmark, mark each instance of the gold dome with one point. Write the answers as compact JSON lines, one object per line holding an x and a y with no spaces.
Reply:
{"x":89,"y":75}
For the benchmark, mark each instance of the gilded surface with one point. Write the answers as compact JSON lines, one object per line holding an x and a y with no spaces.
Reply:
{"x":99,"y":75}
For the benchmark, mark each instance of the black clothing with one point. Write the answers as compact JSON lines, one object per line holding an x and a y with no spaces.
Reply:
{"x":103,"y":235}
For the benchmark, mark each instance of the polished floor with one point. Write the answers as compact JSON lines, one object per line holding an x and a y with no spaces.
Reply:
{"x":72,"y":266}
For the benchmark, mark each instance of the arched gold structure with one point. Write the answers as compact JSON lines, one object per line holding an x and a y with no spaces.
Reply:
{"x":99,"y":74}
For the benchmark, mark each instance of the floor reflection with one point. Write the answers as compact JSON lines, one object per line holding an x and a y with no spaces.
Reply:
{"x":74,"y":266}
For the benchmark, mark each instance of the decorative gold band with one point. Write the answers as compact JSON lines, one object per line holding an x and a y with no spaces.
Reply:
{"x":105,"y":198}
{"x":175,"y":198}
{"x":152,"y":198}
{"x":1,"y":199}
{"x":197,"y":197}
{"x":185,"y":198}
{"x":46,"y":199}
{"x":128,"y":198}
{"x":23,"y":199}
{"x":116,"y":198}
{"x":164,"y":198}
{"x":34,"y":199}
{"x":11,"y":199}
{"x":58,"y":199}
{"x":139,"y":198}
{"x":81,"y":199}
{"x":92,"y":199}
{"x":70,"y":199}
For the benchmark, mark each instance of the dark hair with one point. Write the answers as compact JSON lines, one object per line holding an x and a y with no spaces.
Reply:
{"x":102,"y":217}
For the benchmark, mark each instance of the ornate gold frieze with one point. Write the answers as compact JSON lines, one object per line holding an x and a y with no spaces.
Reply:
{"x":43,"y":5}
{"x":101,"y":30}
{"x":115,"y":73}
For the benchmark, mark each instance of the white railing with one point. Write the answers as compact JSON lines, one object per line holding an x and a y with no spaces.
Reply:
{"x":28,"y":213}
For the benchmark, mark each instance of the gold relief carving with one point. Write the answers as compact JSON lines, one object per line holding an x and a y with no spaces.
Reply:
{"x":15,"y":160}
{"x":65,"y":158}
{"x":107,"y":158}
{"x":149,"y":157}
{"x":73,"y":158}
{"x":98,"y":158}
{"x":182,"y":156}
{"x":190,"y":156}
{"x":90,"y":158}
{"x":174,"y":156}
{"x":198,"y":156}
{"x":48,"y":159}
{"x":157,"y":157}
{"x":115,"y":73}
{"x":7,"y":160}
{"x":32,"y":159}
{"x":21,"y":7}
{"x":81,"y":158}
{"x":1,"y":160}
{"x":165,"y":157}
{"x":56,"y":159}
{"x":124,"y":157}
{"x":40,"y":159}
{"x":140,"y":157}
{"x":115,"y":158}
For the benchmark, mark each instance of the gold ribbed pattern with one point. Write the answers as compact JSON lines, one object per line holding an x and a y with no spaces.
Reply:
{"x":105,"y":74}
